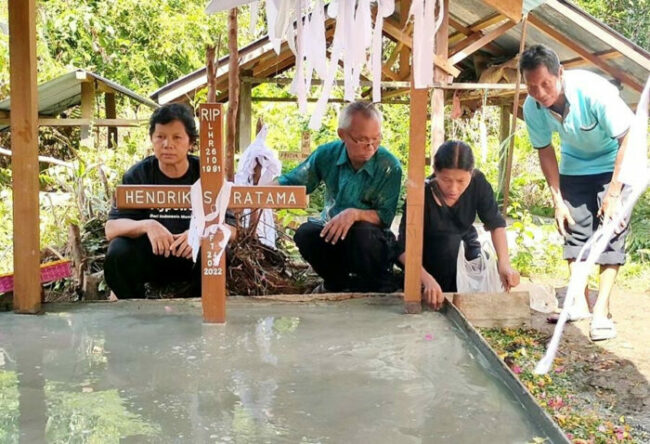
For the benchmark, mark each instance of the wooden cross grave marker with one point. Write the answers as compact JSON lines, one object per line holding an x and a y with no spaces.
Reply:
{"x":212,"y":159}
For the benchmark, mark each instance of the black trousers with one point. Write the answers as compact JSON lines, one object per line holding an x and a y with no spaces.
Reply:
{"x":130,"y":263}
{"x":361,"y":262}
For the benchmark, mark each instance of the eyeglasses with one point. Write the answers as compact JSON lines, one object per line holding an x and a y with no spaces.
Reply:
{"x":367,"y":142}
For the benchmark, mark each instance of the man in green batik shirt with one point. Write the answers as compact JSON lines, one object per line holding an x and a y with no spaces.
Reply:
{"x":351,"y":245}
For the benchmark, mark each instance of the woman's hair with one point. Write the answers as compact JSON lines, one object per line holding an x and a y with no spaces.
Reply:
{"x":454,"y":154}
{"x":175,"y":111}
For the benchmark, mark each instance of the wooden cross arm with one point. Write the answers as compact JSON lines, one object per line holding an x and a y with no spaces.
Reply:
{"x":178,"y":196}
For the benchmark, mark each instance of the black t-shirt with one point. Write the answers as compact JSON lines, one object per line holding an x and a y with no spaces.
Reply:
{"x":147,"y":172}
{"x":445,"y":227}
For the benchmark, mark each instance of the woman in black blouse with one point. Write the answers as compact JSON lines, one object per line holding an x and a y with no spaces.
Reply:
{"x":453,"y":196}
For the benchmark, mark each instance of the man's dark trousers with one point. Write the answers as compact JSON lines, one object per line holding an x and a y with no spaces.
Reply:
{"x":361,"y":262}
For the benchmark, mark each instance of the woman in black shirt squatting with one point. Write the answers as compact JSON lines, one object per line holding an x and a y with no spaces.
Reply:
{"x":453,"y":196}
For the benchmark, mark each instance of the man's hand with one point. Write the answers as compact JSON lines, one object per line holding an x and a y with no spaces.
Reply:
{"x":563,"y":218}
{"x":160,"y":237}
{"x":611,"y":204}
{"x":431,"y":291}
{"x":509,"y":276}
{"x":338,"y":227}
{"x":180,"y":247}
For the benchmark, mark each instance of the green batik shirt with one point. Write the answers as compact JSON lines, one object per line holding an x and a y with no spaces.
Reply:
{"x":374,"y":186}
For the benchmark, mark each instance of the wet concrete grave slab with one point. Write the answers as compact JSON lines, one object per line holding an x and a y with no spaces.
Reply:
{"x":327,"y":372}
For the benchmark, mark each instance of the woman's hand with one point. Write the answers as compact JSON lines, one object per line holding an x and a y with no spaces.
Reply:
{"x":509,"y":276}
{"x":160,"y":237}
{"x":431,"y":290}
{"x":180,"y":247}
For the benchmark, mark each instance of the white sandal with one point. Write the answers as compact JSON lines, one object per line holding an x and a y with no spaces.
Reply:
{"x":602,"y":329}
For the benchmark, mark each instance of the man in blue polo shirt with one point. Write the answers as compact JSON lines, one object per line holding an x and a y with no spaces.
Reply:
{"x":592,"y":121}
{"x":351,"y":245}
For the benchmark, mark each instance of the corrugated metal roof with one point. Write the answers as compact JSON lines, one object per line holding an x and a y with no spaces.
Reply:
{"x":63,"y":92}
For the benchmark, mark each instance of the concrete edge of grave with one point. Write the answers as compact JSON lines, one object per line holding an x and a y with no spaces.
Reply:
{"x":536,"y":412}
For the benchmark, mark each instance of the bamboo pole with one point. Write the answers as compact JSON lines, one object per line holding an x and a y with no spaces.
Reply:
{"x":513,"y":124}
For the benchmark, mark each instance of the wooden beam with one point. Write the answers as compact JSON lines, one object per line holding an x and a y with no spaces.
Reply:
{"x":579,"y":61}
{"x":585,"y":54}
{"x":513,"y":124}
{"x":392,"y":30}
{"x":244,"y":115}
{"x":475,"y":27}
{"x":331,"y":100}
{"x":492,"y":47}
{"x":109,"y":103}
{"x":478,"y":44}
{"x":87,"y":112}
{"x":510,"y":8}
{"x":24,"y":163}
{"x":86,"y":122}
{"x":601,"y":33}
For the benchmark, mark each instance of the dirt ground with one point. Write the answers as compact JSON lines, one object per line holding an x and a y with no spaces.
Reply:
{"x":615,"y":372}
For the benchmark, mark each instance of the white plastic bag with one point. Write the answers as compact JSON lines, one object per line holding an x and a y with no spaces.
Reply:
{"x":479,"y":275}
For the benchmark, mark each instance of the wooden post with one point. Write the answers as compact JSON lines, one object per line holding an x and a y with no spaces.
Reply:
{"x":24,"y":162}
{"x":244,"y":113}
{"x":87,"y":111}
{"x":504,"y":132}
{"x":415,"y":200}
{"x":440,"y":76}
{"x":233,"y":93}
{"x":213,"y":275}
{"x":513,"y":125}
{"x":111,"y":113}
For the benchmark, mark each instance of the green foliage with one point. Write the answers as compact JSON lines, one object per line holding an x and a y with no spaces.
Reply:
{"x":629,"y":17}
{"x":537,"y":250}
{"x":141,"y":45}
{"x":91,"y":417}
{"x":9,"y":405}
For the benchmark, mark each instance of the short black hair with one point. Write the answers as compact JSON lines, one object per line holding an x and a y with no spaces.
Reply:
{"x":454,"y":154}
{"x":175,"y":111}
{"x":538,"y":55}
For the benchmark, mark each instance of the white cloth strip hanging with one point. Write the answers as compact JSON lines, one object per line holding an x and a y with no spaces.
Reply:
{"x":199,"y":220}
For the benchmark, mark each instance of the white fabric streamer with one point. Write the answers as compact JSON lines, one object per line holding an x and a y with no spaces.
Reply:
{"x":255,"y":9}
{"x":635,"y":174}
{"x":259,"y":152}
{"x":199,"y":220}
{"x":423,"y":13}
{"x":357,"y":43}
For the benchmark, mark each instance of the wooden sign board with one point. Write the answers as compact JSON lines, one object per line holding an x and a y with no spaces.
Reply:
{"x":178,"y":196}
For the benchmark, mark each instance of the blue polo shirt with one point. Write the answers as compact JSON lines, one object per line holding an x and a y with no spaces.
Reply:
{"x":596,"y":117}
{"x":374,"y":186}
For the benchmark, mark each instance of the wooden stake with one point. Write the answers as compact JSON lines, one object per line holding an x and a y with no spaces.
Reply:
{"x":233,"y":93}
{"x":513,"y":124}
{"x":111,"y":113}
{"x":24,"y":163}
